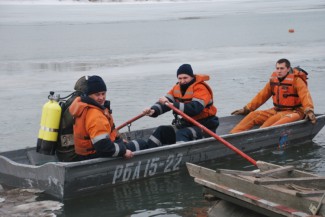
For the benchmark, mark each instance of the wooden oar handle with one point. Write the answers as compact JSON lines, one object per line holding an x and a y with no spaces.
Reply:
{"x":206,"y":130}
{"x":130,"y":121}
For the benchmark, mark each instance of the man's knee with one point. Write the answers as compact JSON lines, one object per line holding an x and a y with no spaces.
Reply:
{"x":163,"y":135}
{"x":246,"y":123}
{"x":188,"y":134}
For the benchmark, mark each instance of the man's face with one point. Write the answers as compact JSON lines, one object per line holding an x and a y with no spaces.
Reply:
{"x":184,"y":78}
{"x":282,"y":70}
{"x":99,"y":97}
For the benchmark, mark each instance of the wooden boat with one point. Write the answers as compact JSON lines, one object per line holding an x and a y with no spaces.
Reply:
{"x":271,"y":190}
{"x":26,"y":168}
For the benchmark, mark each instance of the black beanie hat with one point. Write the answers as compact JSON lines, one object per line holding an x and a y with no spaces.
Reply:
{"x":95,"y":84}
{"x":185,"y":69}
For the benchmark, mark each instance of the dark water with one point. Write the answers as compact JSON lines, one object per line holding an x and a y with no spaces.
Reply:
{"x":137,"y":48}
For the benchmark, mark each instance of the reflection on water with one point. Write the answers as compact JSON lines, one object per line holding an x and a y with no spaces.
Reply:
{"x":171,"y":194}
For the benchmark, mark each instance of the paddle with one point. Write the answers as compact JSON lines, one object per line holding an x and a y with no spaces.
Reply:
{"x":130,"y":121}
{"x":206,"y":130}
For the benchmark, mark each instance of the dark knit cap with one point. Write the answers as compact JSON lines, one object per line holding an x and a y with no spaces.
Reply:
{"x":95,"y":84}
{"x":185,"y":69}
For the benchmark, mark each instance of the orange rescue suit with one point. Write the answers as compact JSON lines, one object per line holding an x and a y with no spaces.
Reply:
{"x":91,"y":124}
{"x":291,"y":99}
{"x":199,"y":91}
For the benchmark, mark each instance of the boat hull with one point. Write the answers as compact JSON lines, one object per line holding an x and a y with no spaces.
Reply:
{"x":66,"y":180}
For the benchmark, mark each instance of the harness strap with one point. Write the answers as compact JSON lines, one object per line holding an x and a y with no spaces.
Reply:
{"x":285,"y":95}
{"x":282,"y":107}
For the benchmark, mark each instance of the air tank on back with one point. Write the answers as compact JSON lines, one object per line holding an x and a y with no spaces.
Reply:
{"x":49,"y":125}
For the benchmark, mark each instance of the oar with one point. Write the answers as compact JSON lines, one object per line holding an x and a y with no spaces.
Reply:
{"x":206,"y":130}
{"x":130,"y":121}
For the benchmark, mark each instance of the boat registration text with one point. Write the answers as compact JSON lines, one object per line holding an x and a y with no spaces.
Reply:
{"x":149,"y":167}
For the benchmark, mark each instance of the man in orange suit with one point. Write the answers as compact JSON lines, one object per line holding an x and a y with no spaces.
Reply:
{"x":291,"y":99}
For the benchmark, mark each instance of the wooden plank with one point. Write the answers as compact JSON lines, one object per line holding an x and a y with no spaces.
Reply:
{"x":272,"y":172}
{"x":264,"y":166}
{"x":272,"y":206}
{"x":318,"y":180}
{"x":310,"y":193}
{"x":236,"y":172}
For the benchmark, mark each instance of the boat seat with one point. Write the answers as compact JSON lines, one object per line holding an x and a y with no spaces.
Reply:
{"x":36,"y":158}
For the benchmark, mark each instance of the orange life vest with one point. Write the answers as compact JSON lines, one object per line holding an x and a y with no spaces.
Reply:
{"x":284,"y":93}
{"x":209,"y":110}
{"x":82,"y":139}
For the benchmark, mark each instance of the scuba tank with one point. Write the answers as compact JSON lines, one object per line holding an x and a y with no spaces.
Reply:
{"x":50,"y":122}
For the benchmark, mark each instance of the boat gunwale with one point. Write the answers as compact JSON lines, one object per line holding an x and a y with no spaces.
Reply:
{"x":189,"y":143}
{"x":157,"y":149}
